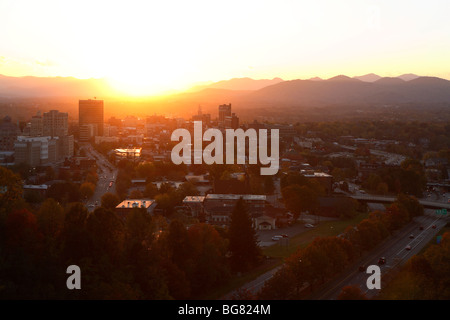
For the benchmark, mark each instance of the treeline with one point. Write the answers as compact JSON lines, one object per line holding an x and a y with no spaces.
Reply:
{"x":424,"y":277}
{"x":408,"y":178}
{"x":326,"y":257}
{"x":139,"y":256}
{"x":436,"y":133}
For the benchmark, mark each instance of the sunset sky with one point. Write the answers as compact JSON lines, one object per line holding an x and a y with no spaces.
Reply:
{"x":152,"y":46}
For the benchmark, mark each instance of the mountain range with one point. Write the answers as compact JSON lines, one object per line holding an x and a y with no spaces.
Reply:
{"x":369,"y":89}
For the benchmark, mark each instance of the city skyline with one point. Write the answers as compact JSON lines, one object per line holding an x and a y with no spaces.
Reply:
{"x":148,"y":48}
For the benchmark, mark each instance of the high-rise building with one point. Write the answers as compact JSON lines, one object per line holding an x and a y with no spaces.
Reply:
{"x":35,"y":151}
{"x":231,"y":122}
{"x":65,"y":147}
{"x":87,"y":131}
{"x":8,"y":134}
{"x":224,"y":111}
{"x":55,"y":123}
{"x":90,"y":113}
{"x":37,"y":126}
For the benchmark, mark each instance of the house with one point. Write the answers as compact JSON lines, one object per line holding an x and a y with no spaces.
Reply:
{"x":264,"y":222}
{"x":195,"y":203}
{"x":324,"y":179}
{"x":219,"y":207}
{"x":128,"y":205}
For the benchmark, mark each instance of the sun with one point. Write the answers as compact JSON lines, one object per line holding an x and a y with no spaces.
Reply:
{"x":149,"y":74}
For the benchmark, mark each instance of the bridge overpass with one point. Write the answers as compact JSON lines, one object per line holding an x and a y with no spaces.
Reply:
{"x":388,"y":199}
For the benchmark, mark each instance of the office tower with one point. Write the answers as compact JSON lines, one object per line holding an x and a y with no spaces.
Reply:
{"x":224,"y":111}
{"x":65,"y":146}
{"x":8,"y":134}
{"x":37,"y":125}
{"x":35,"y":151}
{"x":231,"y":122}
{"x":91,"y":115}
{"x":55,"y":123}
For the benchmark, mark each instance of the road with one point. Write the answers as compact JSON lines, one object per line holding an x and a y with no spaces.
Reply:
{"x":390,"y":158}
{"x":107,"y":173}
{"x":254,"y":286}
{"x":424,"y":202}
{"x":265,"y":236}
{"x":393,"y":249}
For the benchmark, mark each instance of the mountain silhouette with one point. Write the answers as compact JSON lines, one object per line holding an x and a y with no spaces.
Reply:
{"x":239,"y":84}
{"x":371,"y":77}
{"x":248,"y":93}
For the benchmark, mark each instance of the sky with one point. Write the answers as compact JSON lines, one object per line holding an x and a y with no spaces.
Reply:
{"x":153,"y":46}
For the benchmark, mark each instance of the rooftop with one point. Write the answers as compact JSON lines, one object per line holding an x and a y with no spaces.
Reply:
{"x":309,"y":174}
{"x":236,"y":197}
{"x":135,"y":203}
{"x":194,"y":199}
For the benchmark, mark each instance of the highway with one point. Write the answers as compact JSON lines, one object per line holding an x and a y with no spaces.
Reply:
{"x":106,"y":173}
{"x":424,"y":202}
{"x":393,"y":249}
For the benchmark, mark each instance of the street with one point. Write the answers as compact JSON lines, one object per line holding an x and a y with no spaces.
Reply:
{"x":393,"y":249}
{"x":106,"y":174}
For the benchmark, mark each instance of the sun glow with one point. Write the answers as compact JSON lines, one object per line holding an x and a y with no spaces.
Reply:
{"x":150,"y":47}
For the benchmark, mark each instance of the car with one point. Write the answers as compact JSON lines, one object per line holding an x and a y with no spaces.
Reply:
{"x":433,"y":226}
{"x":408,"y":248}
{"x":276,"y":238}
{"x":411,"y":236}
{"x":285,"y":235}
{"x":308,"y":225}
{"x":382,"y":260}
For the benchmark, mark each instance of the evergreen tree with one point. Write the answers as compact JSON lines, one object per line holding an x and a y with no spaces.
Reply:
{"x":244,"y":249}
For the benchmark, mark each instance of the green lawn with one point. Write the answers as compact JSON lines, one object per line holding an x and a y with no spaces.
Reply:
{"x":323,"y":229}
{"x":278,"y":253}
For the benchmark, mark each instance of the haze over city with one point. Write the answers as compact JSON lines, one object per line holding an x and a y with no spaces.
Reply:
{"x":144,"y":47}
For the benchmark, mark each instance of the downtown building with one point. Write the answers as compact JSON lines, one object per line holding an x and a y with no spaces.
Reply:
{"x":224,"y":111}
{"x":90,"y":115}
{"x":46,"y":141}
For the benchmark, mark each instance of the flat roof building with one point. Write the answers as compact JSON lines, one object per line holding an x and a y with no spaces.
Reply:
{"x":91,"y":113}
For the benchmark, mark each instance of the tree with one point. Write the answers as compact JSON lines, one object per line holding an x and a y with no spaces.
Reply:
{"x":280,"y":287}
{"x":352,"y":293}
{"x":50,"y":219}
{"x":10,"y":190}
{"x":145,"y":170}
{"x":136,"y":194}
{"x":300,"y":198}
{"x":92,"y":177}
{"x":75,"y":237}
{"x":109,"y":200}
{"x":87,"y":190}
{"x":64,"y":192}
{"x":49,"y":174}
{"x":397,"y":216}
{"x":245,"y":252}
{"x":382,"y":188}
{"x":151,"y":190}
{"x":410,"y":204}
{"x":208,"y":253}
{"x":107,"y":234}
{"x":178,"y":244}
